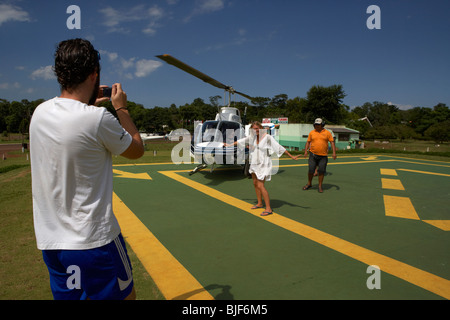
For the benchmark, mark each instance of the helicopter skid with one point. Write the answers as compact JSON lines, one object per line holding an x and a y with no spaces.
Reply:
{"x":198,"y":168}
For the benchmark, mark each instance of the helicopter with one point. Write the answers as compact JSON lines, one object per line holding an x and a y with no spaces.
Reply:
{"x":207,"y":145}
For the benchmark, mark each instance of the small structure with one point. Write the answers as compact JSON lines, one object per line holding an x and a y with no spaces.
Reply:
{"x":345,"y":138}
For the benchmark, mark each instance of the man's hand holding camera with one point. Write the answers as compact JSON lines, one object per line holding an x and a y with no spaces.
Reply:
{"x":118,"y":97}
{"x":115,"y":93}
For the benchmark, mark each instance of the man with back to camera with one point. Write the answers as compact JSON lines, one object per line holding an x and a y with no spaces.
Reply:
{"x":71,"y":147}
{"x":317,"y":144}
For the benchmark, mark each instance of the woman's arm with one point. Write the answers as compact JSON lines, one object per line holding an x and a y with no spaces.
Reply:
{"x":290,"y":155}
{"x":230,"y":144}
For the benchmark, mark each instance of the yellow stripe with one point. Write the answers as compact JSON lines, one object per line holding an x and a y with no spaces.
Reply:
{"x":424,"y":279}
{"x":441,"y":224}
{"x":431,"y":164}
{"x":426,"y":172}
{"x":142,"y":164}
{"x":338,"y":163}
{"x":130,"y":175}
{"x":393,"y":184}
{"x":425,"y":164}
{"x":400,"y":207}
{"x":388,"y":172}
{"x":172,"y":279}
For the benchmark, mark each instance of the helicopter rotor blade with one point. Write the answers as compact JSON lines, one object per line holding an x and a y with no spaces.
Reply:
{"x":244,"y":95}
{"x":181,"y":65}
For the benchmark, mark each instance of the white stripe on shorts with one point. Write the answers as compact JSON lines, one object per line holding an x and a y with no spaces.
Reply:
{"x":123,"y":256}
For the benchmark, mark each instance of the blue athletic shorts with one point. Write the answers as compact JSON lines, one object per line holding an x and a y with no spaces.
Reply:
{"x":102,"y":273}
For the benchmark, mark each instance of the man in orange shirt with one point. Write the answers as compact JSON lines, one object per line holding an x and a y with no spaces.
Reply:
{"x":317,"y":144}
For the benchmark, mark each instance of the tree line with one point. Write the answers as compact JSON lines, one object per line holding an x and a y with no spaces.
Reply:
{"x":374,"y":120}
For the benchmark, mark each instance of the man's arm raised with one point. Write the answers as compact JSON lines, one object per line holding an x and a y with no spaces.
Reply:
{"x":119,"y":102}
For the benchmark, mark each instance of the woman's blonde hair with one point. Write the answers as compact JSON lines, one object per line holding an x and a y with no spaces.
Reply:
{"x":256,"y":123}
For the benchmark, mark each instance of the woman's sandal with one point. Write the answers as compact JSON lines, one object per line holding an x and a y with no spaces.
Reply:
{"x":256,"y":207}
{"x":307,"y":187}
{"x":266,"y":213}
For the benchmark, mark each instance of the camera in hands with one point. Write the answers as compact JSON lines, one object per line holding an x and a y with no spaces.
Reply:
{"x":106,"y":92}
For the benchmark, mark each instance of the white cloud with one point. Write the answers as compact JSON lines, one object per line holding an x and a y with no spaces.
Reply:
{"x":401,"y":106}
{"x":117,"y":20}
{"x":114,"y":17}
{"x":149,"y":30}
{"x":238,"y":41}
{"x":210,"y":5}
{"x":45,"y":73}
{"x":145,"y":67}
{"x":111,"y":55}
{"x":130,"y":68}
{"x":155,"y":12}
{"x":204,"y":7}
{"x":126,"y":64}
{"x":9,"y":86}
{"x":12,"y":13}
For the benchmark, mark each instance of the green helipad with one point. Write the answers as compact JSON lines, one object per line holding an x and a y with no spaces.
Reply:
{"x":198,"y":238}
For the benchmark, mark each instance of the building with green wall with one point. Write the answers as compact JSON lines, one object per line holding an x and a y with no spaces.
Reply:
{"x":293,"y":136}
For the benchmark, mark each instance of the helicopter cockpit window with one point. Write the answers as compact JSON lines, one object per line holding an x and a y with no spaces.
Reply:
{"x":230,"y":129}
{"x":209,"y":130}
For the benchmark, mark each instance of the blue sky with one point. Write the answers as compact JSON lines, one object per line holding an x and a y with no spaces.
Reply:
{"x":260,"y":47}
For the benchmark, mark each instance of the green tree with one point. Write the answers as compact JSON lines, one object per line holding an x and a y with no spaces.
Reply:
{"x":382,"y":114}
{"x":277,"y":106}
{"x":4,"y":112}
{"x":404,"y":132}
{"x":420,"y":119}
{"x":174,"y":115}
{"x":325,"y":102}
{"x":353,"y":121}
{"x":381,"y":132}
{"x":440,"y":112}
{"x":294,"y":108}
{"x":439,"y":132}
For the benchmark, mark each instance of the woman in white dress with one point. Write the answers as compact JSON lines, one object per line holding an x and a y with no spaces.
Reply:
{"x":261,"y":146}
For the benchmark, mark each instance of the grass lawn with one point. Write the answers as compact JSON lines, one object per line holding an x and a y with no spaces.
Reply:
{"x":411,"y":146}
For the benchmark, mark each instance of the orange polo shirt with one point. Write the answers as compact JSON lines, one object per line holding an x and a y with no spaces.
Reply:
{"x":319,"y":141}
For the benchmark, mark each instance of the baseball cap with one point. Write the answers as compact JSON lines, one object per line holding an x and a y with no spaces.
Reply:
{"x":318,"y":121}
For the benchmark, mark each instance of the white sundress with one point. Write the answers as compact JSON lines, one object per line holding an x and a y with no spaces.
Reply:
{"x":261,"y":155}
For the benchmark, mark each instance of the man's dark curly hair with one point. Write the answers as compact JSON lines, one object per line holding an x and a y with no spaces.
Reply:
{"x":75,"y":60}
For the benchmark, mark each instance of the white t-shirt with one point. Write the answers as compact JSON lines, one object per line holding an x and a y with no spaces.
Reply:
{"x":71,"y":144}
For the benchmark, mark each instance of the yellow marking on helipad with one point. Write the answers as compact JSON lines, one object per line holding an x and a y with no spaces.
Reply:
{"x":400,"y":207}
{"x":418,"y":277}
{"x":172,"y":279}
{"x":426,"y":172}
{"x":393,"y":184}
{"x":130,"y":175}
{"x":331,"y":163}
{"x":441,"y":224}
{"x":388,"y":172}
{"x":370,"y":158}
